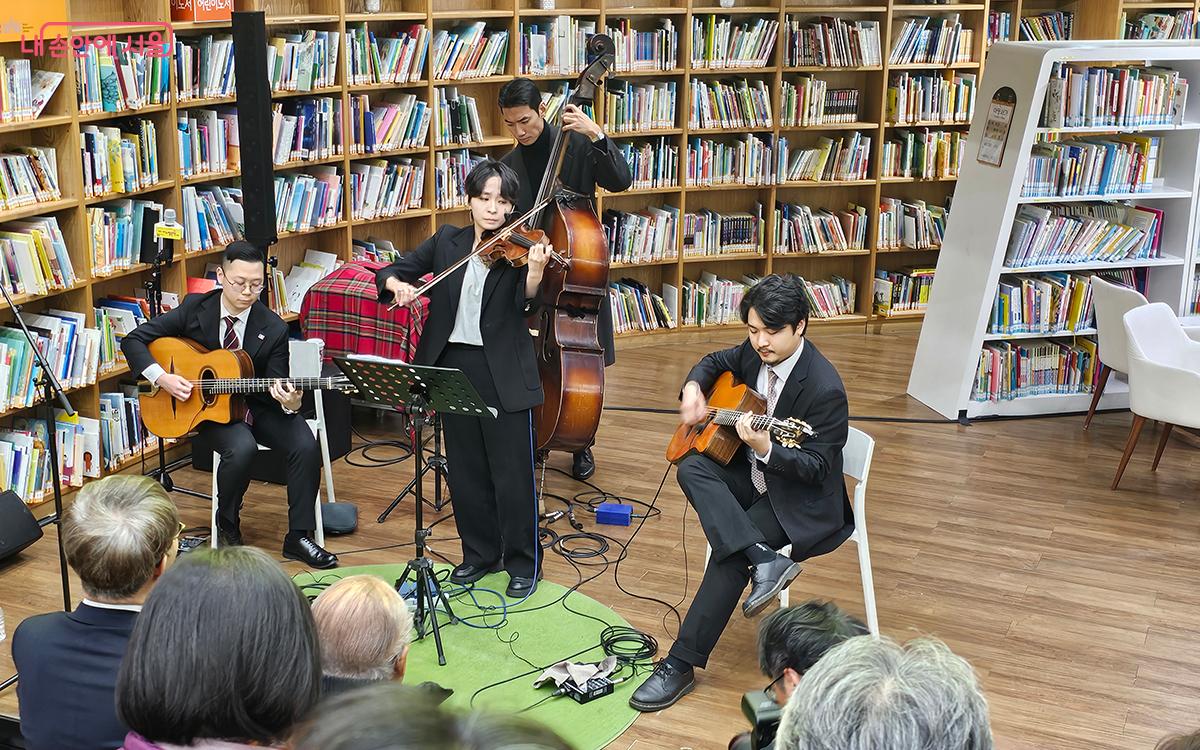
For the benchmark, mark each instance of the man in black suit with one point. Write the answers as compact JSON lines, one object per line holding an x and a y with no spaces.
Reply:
{"x":119,"y":534}
{"x":591,"y":159}
{"x":232,"y":317}
{"x":769,"y":495}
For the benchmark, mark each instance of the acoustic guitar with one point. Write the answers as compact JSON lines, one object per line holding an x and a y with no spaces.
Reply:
{"x":717,"y":438}
{"x":219,"y":377}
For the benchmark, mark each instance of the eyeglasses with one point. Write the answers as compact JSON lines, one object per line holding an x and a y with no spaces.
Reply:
{"x":254,"y":287}
{"x":770,"y":685}
{"x":182,"y":526}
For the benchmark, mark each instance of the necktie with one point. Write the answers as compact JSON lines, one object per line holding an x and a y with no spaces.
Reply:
{"x":756,"y":475}
{"x":231,"y":338}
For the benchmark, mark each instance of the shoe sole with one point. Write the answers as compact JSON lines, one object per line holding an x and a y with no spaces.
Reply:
{"x":651,"y":707}
{"x":784,"y":581}
{"x":309,"y":563}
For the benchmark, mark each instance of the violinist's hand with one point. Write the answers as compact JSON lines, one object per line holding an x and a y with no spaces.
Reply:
{"x":694,"y":407}
{"x":539,"y":256}
{"x":404,"y":293}
{"x":576,"y":120}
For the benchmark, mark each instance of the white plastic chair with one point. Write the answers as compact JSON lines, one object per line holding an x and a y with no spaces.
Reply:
{"x":305,"y":362}
{"x":1164,"y":376}
{"x":856,"y":463}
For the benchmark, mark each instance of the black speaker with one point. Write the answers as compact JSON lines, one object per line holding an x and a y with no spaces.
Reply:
{"x":254,"y":126}
{"x":18,"y":527}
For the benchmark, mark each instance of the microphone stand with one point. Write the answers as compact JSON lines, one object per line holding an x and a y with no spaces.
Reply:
{"x":52,"y":390}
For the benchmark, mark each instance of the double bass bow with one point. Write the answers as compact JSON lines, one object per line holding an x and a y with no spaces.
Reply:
{"x":569,"y":355}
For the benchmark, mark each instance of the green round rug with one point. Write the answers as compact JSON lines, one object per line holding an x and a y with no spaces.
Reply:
{"x":477,"y":657}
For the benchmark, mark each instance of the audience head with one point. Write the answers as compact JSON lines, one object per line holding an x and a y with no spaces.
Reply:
{"x":791,"y":640}
{"x":391,"y":716}
{"x":364,"y":628}
{"x":873,"y":693}
{"x":1181,"y":742}
{"x":120,"y":534}
{"x":775,"y":311}
{"x":225,"y":649}
{"x":522,"y":109}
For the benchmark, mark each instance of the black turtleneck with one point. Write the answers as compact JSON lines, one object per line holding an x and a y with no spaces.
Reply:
{"x":536,"y":155}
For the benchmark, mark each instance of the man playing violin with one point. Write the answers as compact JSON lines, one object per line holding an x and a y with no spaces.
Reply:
{"x":232,"y":317}
{"x":769,"y":495}
{"x":477,"y":325}
{"x":591,"y":159}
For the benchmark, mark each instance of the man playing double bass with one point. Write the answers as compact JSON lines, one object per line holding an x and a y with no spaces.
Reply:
{"x":591,"y":159}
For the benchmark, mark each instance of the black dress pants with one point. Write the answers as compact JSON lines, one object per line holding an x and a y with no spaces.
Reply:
{"x":490,"y":464}
{"x":734,"y":517}
{"x":237,"y":443}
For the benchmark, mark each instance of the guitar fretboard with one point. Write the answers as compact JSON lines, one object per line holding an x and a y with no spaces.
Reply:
{"x":259,"y":385}
{"x":729,"y":417}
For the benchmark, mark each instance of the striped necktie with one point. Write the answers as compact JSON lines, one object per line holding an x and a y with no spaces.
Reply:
{"x":231,"y":338}
{"x":756,"y":474}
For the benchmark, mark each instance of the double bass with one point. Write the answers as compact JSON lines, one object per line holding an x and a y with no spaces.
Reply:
{"x":570,"y":357}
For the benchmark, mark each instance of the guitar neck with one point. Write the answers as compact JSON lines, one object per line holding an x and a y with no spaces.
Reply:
{"x":260,"y":385}
{"x":729,"y":417}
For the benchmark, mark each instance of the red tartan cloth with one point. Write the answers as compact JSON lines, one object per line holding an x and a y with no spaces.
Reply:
{"x":343,"y":310}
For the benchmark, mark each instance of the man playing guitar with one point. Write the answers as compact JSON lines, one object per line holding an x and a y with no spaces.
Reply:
{"x":769,"y":495}
{"x":232,"y":317}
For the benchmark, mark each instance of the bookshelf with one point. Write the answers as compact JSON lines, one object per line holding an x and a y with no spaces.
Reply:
{"x":956,"y":326}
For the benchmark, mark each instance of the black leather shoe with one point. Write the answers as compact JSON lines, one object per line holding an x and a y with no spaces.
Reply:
{"x":767,"y":580}
{"x":520,"y":587}
{"x":663,"y":687}
{"x":304,"y":549}
{"x":584,"y":466}
{"x":228,"y":537}
{"x":469,"y":573}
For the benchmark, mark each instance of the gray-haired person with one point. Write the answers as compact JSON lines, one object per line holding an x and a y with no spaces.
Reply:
{"x":870,"y":693}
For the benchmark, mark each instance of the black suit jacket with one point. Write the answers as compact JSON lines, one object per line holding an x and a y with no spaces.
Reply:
{"x":805,"y":485}
{"x":198,"y":318}
{"x":584,"y":166}
{"x":68,"y":663}
{"x":506,"y":340}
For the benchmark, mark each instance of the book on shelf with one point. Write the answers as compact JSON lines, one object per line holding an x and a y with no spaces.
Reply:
{"x":1096,"y":165}
{"x":730,"y":104}
{"x":638,"y":107}
{"x":120,"y":77}
{"x":386,"y":187}
{"x":1048,"y":26}
{"x":1009,"y":370}
{"x":122,"y":434}
{"x":916,"y":225}
{"x":450,"y":176}
{"x":308,"y":200}
{"x":28,"y":175}
{"x":707,"y":232}
{"x":636,"y":308}
{"x":212,"y":216}
{"x":203,"y":138}
{"x":1079,"y":95}
{"x":374,"y":249}
{"x":720,"y":42}
{"x":653,"y":163}
{"x":803,"y":229}
{"x":456,"y":117}
{"x":999,"y":26}
{"x":901,"y":291}
{"x":1159,"y":25}
{"x":36,"y":260}
{"x":639,"y":51}
{"x":304,"y":60}
{"x":287,"y":292}
{"x":306,"y":129}
{"x":471,"y":51}
{"x":844,"y":158}
{"x":641,"y":236}
{"x":914,"y":98}
{"x":830,"y":299}
{"x":923,"y":154}
{"x":1194,"y":306}
{"x":808,"y":100}
{"x":557,"y":48}
{"x":746,"y":161}
{"x":400,"y":121}
{"x":832,"y":42}
{"x":1043,"y":303}
{"x":24,"y":91}
{"x":555,"y":98}
{"x":710,"y":300}
{"x":116,"y":232}
{"x":393,"y":59}
{"x":204,"y":67}
{"x":932,"y":41}
{"x":119,"y":158}
{"x":1050,"y":233}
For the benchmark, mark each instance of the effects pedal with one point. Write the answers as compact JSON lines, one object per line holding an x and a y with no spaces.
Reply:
{"x":597,"y":687}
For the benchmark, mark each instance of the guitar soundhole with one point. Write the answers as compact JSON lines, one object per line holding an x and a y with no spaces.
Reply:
{"x":206,"y":395}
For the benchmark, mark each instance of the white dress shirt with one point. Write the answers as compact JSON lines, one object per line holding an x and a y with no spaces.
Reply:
{"x":470,"y":305}
{"x":105,"y":605}
{"x":783,"y":371}
{"x":154,"y":371}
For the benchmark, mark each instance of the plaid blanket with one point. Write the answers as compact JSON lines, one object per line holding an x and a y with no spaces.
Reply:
{"x":343,"y":310}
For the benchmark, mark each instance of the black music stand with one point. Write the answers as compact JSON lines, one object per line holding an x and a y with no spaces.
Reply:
{"x":418,"y":390}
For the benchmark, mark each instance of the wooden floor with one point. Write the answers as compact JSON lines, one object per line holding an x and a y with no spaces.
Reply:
{"x":1078,"y":606}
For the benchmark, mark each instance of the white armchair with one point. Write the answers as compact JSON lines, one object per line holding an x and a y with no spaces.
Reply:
{"x":1112,"y":301}
{"x":1164,"y":376}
